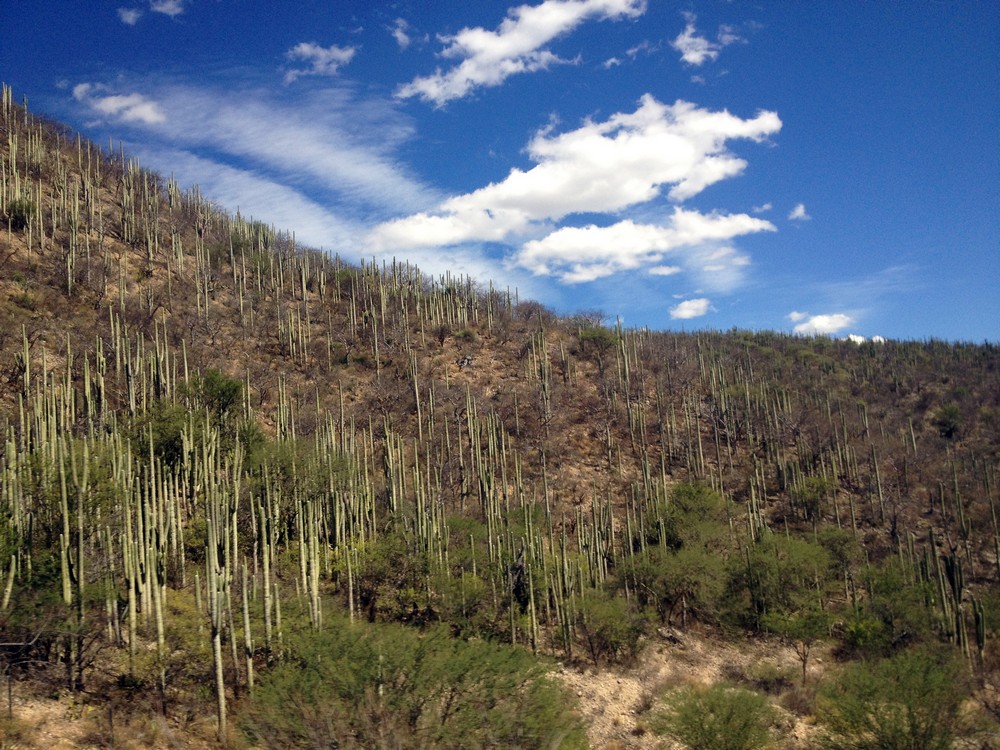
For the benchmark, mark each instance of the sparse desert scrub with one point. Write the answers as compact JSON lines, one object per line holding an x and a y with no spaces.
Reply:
{"x":212,"y":438}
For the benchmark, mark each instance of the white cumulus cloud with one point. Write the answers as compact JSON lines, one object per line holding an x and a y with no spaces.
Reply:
{"x":601,"y":167}
{"x":575,"y":254}
{"x":691,"y":308}
{"x":811,"y":325}
{"x":858,"y":339}
{"x":488,"y":58}
{"x":325,"y":61}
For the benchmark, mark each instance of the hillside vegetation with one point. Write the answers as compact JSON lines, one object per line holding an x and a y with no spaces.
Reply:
{"x":336,"y":505}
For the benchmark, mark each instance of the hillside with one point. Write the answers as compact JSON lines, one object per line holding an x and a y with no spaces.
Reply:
{"x":224,"y":454}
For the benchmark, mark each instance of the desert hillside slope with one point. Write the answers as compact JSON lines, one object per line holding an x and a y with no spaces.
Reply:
{"x":255,"y":495}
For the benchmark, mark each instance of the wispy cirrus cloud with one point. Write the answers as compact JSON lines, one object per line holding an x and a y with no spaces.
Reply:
{"x":400,"y":32}
{"x":488,"y":58}
{"x":799,"y":213}
{"x":131,"y":107}
{"x":323,"y":61}
{"x":696,"y":49}
{"x":331,"y":142}
{"x":605,"y":167}
{"x":263,"y":195}
{"x":258,"y":195}
{"x":129,"y":16}
{"x":172,"y":8}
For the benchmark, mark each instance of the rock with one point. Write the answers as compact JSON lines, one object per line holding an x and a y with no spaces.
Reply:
{"x":670,"y":635}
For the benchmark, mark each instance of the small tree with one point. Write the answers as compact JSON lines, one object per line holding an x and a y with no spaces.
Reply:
{"x":775,"y":576}
{"x":218,"y":393}
{"x":688,"y":579}
{"x":803,"y":627}
{"x":597,"y":341}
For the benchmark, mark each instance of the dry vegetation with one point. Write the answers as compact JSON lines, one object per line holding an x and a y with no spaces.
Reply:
{"x":220,"y":449}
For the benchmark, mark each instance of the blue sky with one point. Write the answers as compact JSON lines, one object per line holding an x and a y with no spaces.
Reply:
{"x":805,"y":167}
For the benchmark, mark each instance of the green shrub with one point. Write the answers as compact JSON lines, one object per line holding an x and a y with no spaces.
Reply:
{"x":911,"y":701}
{"x":24,"y":300}
{"x":19,"y":212}
{"x":610,"y":626}
{"x":165,"y":424}
{"x":688,"y":581}
{"x":716,"y":718}
{"x":948,"y":420}
{"x":892,"y":617}
{"x":597,"y":338}
{"x":864,"y":636}
{"x":361,"y":686}
{"x":216,"y":392}
{"x":769,"y":677}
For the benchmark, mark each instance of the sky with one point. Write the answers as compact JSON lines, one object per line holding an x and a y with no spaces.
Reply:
{"x":804,"y":167}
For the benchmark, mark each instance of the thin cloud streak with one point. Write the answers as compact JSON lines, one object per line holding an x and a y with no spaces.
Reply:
{"x":310,"y":142}
{"x":323,"y":61}
{"x":258,"y":197}
{"x":488,"y":58}
{"x":172,"y":8}
{"x":292,"y":153}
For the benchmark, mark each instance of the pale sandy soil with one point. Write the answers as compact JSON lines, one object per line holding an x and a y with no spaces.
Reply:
{"x":617,"y":702}
{"x":68,"y":724}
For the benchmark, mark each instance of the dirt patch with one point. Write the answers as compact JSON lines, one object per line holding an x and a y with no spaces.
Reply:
{"x":617,"y":702}
{"x":71,"y":723}
{"x":39,"y":723}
